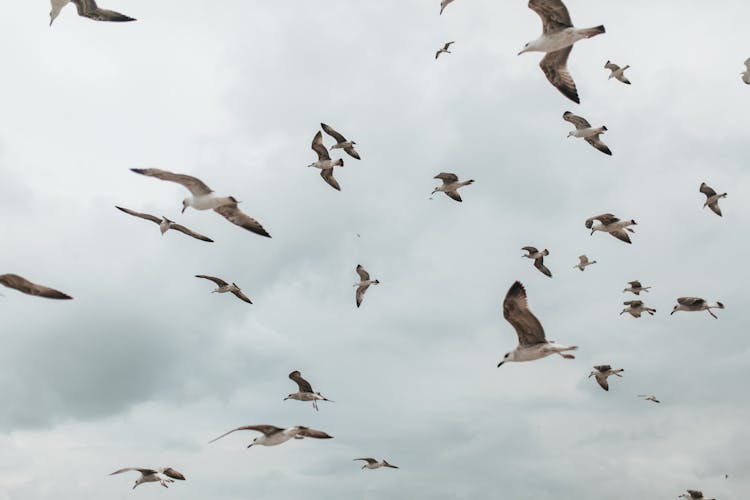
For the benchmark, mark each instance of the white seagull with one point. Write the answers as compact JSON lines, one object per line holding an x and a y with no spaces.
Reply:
{"x":693,"y":495}
{"x":636,"y":287}
{"x":450,"y":185}
{"x":608,"y":223}
{"x":636,"y":308}
{"x":583,"y":262}
{"x":557,"y":39}
{"x":538,"y":258}
{"x":444,"y":50}
{"x":617,"y":72}
{"x":746,"y":74}
{"x":225,"y":287}
{"x":162,"y":476}
{"x":165,"y":224}
{"x":586,"y":131}
{"x":23,"y":285}
{"x":364,"y":283}
{"x":87,"y":8}
{"x":374,"y":464}
{"x":305,"y":392}
{"x":444,"y":4}
{"x":695,"y":304}
{"x":712,"y":199}
{"x":273,"y":435}
{"x":341,"y":142}
{"x":601,"y":372}
{"x":324,"y":163}
{"x":647,"y":397}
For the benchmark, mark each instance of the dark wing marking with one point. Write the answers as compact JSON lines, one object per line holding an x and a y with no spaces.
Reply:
{"x":327,"y":175}
{"x":364,"y":275}
{"x":554,"y":65}
{"x":216,"y":280}
{"x":555,"y":16}
{"x":453,"y":194}
{"x":242,"y":296}
{"x":184,"y":230}
{"x":595,"y":141}
{"x":516,"y":312}
{"x":196,"y":186}
{"x":319,"y":147}
{"x":328,"y":130}
{"x":150,"y":217}
{"x":265,"y":429}
{"x":539,"y":264}
{"x":304,"y":385}
{"x":233,"y":214}
{"x":578,"y":121}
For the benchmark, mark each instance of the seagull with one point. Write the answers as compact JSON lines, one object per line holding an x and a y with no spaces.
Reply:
{"x":636,"y":288}
{"x":25,"y":286}
{"x":166,"y":224}
{"x":617,"y":72}
{"x":225,"y":287}
{"x":444,"y":4}
{"x":273,"y":435}
{"x":586,"y":131}
{"x":87,"y":8}
{"x":324,"y":163}
{"x":374,"y":464}
{"x":693,"y":494}
{"x":204,"y":199}
{"x":636,"y":308}
{"x":583,"y":262}
{"x":163,"y":475}
{"x":557,"y":39}
{"x":444,"y":49}
{"x":712,"y":199}
{"x":363,"y":284}
{"x":601,"y":372}
{"x":531,"y":341}
{"x":746,"y":74}
{"x":450,"y":185}
{"x":695,"y":304}
{"x":341,"y":142}
{"x":649,"y":398}
{"x":305,"y":392}
{"x":533,"y":253}
{"x":608,"y":223}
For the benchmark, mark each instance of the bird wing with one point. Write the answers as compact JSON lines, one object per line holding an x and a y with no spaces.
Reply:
{"x":328,"y":130}
{"x":695,"y":494}
{"x":352,"y":152}
{"x":312,"y":433}
{"x":173,"y":473}
{"x":184,"y":230}
{"x":361,"y":293}
{"x":605,"y":219}
{"x":327,"y":175}
{"x":691,"y":301}
{"x":611,"y":66}
{"x":265,"y":429}
{"x":368,"y":460}
{"x":603,"y":368}
{"x":304,"y":385}
{"x":150,"y":217}
{"x":448,"y":45}
{"x":715,"y":208}
{"x":707,"y":190}
{"x":233,"y":214}
{"x":242,"y":296}
{"x":25,"y":286}
{"x":216,"y":280}
{"x":595,"y":141}
{"x":635,"y":284}
{"x":554,"y":15}
{"x":555,"y":68}
{"x":633,"y":303}
{"x":128,"y":469}
{"x":364,"y":275}
{"x":516,"y":312}
{"x":583,"y":259}
{"x":578,"y":121}
{"x":437,"y":54}
{"x":453,"y":194}
{"x":530,"y":249}
{"x":319,"y":147}
{"x":602,"y":381}
{"x":621,"y":235}
{"x":196,"y":186}
{"x":446,"y":177}
{"x":539,"y":264}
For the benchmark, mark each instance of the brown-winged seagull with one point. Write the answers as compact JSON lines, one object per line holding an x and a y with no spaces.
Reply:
{"x":636,"y":308}
{"x":695,"y":304}
{"x":88,"y":8}
{"x":305,"y":392}
{"x":557,"y":39}
{"x":746,"y":74}
{"x":647,"y":397}
{"x":532,"y":343}
{"x":601,"y":372}
{"x":636,"y":287}
{"x":693,"y":495}
{"x":538,"y":258}
{"x":165,"y":224}
{"x":203,"y":198}
{"x":273,"y":435}
{"x":444,"y":4}
{"x":375,"y":464}
{"x":224,"y":287}
{"x":25,"y":286}
{"x":583,"y":262}
{"x":364,"y":283}
{"x":586,"y":131}
{"x":162,"y":475}
{"x":341,"y":142}
{"x":617,"y":72}
{"x":608,"y":223}
{"x":712,"y":199}
{"x":324,"y":163}
{"x":450,"y":185}
{"x":444,"y":50}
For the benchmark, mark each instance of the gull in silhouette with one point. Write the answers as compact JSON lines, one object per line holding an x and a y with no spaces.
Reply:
{"x":712,"y":199}
{"x":364,"y":284}
{"x":647,"y":397}
{"x":444,"y":50}
{"x":324,"y":163}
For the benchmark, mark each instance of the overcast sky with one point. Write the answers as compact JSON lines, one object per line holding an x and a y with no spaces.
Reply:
{"x":145,"y":366}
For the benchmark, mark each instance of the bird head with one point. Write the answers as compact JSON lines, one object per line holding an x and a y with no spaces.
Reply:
{"x":185,"y":204}
{"x":509,"y":356}
{"x":376,"y":282}
{"x":674,"y":310}
{"x":526,"y":48}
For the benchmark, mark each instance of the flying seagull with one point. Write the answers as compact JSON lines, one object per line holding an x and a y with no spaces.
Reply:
{"x":444,"y":50}
{"x":557,"y":39}
{"x":444,"y":4}
{"x":163,"y":475}
{"x":305,"y":392}
{"x":341,"y":142}
{"x":165,"y":224}
{"x":225,"y":287}
{"x":746,"y":74}
{"x":87,"y":8}
{"x":374,"y":464}
{"x":587,"y":132}
{"x":636,"y":308}
{"x":450,"y":185}
{"x":273,"y":435}
{"x":636,"y":287}
{"x":601,"y":372}
{"x":608,"y":223}
{"x":646,"y":397}
{"x":583,"y":262}
{"x":712,"y":199}
{"x":617,"y":72}
{"x":324,"y":163}
{"x":695,"y":304}
{"x":693,"y":495}
{"x":364,"y":283}
{"x":25,"y":286}
{"x":538,"y":258}
{"x":204,"y":199}
{"x":531,"y":341}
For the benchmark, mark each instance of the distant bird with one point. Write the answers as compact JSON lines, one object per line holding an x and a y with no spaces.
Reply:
{"x":583,"y":262}
{"x":444,"y":50}
{"x":451,"y":185}
{"x":341,"y":142}
{"x":649,"y":398}
{"x":636,"y":308}
{"x":557,"y":39}
{"x":587,"y":132}
{"x":746,"y":74}
{"x":87,"y":8}
{"x":165,"y":224}
{"x":162,"y":476}
{"x":617,"y":72}
{"x":636,"y":287}
{"x":444,"y":4}
{"x":374,"y":464}
{"x":324,"y":163}
{"x":225,"y":287}
{"x":364,"y":283}
{"x":712,"y":199}
{"x":693,"y":495}
{"x":532,"y":343}
{"x":25,"y":286}
{"x":305,"y":392}
{"x":695,"y":304}
{"x":601,"y":372}
{"x":608,"y":223}
{"x":204,"y":199}
{"x":538,"y":258}
{"x":273,"y":435}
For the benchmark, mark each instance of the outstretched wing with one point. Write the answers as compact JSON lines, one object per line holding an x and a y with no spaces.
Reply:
{"x":265,"y":429}
{"x":327,"y":175}
{"x":516,"y":312}
{"x":242,"y":296}
{"x":578,"y":121}
{"x":304,"y":385}
{"x":150,"y":217}
{"x":196,"y":186}
{"x":184,"y":230}
{"x":216,"y":280}
{"x":555,"y":67}
{"x":555,"y":16}
{"x":363,"y":275}
{"x":605,"y":219}
{"x":368,"y":460}
{"x":446,"y":177}
{"x":539,"y":264}
{"x":25,"y":286}
{"x":312,"y":433}
{"x":233,"y":214}
{"x":319,"y":147}
{"x":361,"y":293}
{"x":707,"y":190}
{"x":135,"y":469}
{"x":595,"y":141}
{"x":621,"y":235}
{"x":328,"y":130}
{"x":173,"y":473}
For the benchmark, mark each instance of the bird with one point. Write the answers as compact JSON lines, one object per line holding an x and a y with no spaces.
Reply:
{"x":341,"y":142}
{"x":324,"y":163}
{"x":695,"y":304}
{"x":273,"y":435}
{"x":617,"y":72}
{"x":693,"y":495}
{"x":25,"y":286}
{"x":374,"y":464}
{"x":583,"y":262}
{"x":636,"y":287}
{"x":587,"y":132}
{"x":87,"y":8}
{"x":444,"y":49}
{"x":712,"y":199}
{"x":163,"y":475}
{"x":532,"y":343}
{"x":746,"y":74}
{"x":364,"y":283}
{"x":636,"y":308}
{"x":538,"y":257}
{"x":225,"y":287}
{"x":203,"y":198}
{"x":444,"y":4}
{"x":165,"y":224}
{"x":608,"y":223}
{"x":646,"y":397}
{"x":601,"y":372}
{"x":557,"y":39}
{"x":305,"y":392}
{"x":450,"y":185}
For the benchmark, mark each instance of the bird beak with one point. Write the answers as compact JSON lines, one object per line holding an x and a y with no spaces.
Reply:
{"x":184,"y":207}
{"x":500,"y":364}
{"x":592,"y":232}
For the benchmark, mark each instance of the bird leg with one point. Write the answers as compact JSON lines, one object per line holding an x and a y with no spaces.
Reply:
{"x":712,"y":314}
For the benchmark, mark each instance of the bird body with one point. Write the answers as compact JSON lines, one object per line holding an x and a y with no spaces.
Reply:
{"x":224,"y":287}
{"x":608,"y":223}
{"x":444,"y":50}
{"x":636,"y":287}
{"x":364,"y":284}
{"x":371,"y":463}
{"x":165,"y":224}
{"x":617,"y":72}
{"x":636,"y":308}
{"x":712,"y":198}
{"x":325,"y":163}
{"x":162,"y":475}
{"x":602,"y":372}
{"x":305,"y":392}
{"x":272,"y":435}
{"x":694,"y":304}
{"x":584,"y":262}
{"x":584,"y":130}
{"x":451,"y":185}
{"x":538,"y":258}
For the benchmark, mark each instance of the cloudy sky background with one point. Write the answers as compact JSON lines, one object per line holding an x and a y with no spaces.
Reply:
{"x":146,"y":365}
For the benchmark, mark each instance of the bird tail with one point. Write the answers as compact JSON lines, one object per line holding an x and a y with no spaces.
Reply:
{"x":545,"y":252}
{"x":598,"y":30}
{"x":719,"y":305}
{"x":340,"y":162}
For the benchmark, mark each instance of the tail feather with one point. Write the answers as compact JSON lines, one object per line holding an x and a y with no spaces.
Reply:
{"x":719,"y":305}
{"x":591,"y":32}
